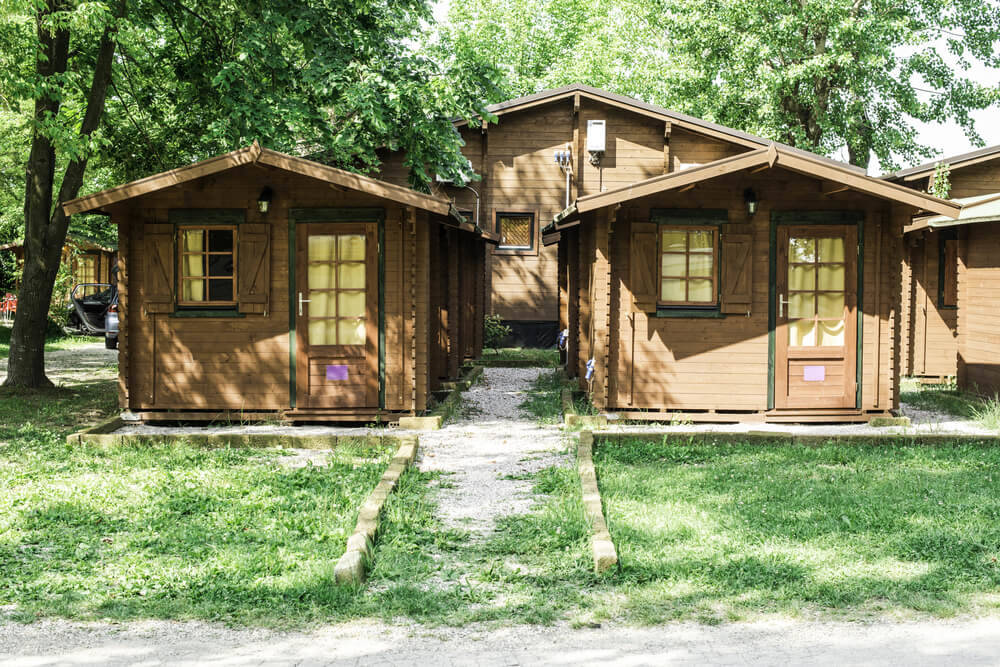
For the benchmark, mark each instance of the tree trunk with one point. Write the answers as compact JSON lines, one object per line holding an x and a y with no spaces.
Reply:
{"x":45,"y":228}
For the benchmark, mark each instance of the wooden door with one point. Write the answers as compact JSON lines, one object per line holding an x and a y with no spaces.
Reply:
{"x":337,"y":315}
{"x":816,"y":326}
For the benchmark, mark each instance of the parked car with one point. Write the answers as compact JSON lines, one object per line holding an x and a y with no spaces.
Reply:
{"x":94,"y":310}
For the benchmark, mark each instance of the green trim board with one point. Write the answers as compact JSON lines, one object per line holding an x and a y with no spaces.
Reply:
{"x":206,"y":216}
{"x":703,"y":313}
{"x":856,"y":218}
{"x":205,"y":313}
{"x":292,"y":338}
{"x":381,"y":313}
{"x":342,"y":214}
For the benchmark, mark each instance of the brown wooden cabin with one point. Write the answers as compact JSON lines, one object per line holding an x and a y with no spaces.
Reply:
{"x":690,"y":306}
{"x":522,"y":186}
{"x":88,"y":261}
{"x":258,"y":285}
{"x":951,"y":276}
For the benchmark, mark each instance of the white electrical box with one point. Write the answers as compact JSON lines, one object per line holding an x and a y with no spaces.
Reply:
{"x":596,"y":136}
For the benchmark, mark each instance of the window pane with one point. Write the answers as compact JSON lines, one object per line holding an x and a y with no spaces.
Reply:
{"x":220,"y":290}
{"x":323,"y":332}
{"x":351,"y":332}
{"x":194,"y":240}
{"x":351,"y":276}
{"x":801,"y":277}
{"x":322,"y":304}
{"x":515,"y":231}
{"x":322,"y":248}
{"x":831,"y":277}
{"x":220,"y":265}
{"x":220,"y":240}
{"x":674,"y":241}
{"x":672,"y":289}
{"x":831,"y":305}
{"x":193,"y":265}
{"x":672,"y":264}
{"x":321,"y":276}
{"x":352,"y":247}
{"x":700,"y":265}
{"x":802,"y":332}
{"x":831,"y":250}
{"x":831,"y":333}
{"x":801,"y":250}
{"x":193,"y":290}
{"x":351,"y":304}
{"x":801,"y":305}
{"x":701,"y":241}
{"x":700,"y":291}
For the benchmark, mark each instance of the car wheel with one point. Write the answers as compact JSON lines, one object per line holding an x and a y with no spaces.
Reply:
{"x":111,"y":343}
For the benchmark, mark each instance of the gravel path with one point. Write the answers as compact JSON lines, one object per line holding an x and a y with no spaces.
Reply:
{"x":81,"y":362}
{"x":956,"y":642}
{"x":489,"y":454}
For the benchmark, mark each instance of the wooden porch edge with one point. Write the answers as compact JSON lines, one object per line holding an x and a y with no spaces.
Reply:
{"x":352,"y":567}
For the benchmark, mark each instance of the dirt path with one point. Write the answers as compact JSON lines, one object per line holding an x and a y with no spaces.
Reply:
{"x":967,"y":643}
{"x":80,"y":362}
{"x":490,"y":454}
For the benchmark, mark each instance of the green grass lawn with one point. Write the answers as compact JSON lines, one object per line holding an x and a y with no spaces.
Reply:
{"x":953,"y":401}
{"x":62,"y":343}
{"x":716,"y":532}
{"x":548,"y":357}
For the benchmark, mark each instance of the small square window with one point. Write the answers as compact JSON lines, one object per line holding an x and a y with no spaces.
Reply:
{"x":688,"y":266}
{"x":207,"y":266}
{"x":517,"y":231}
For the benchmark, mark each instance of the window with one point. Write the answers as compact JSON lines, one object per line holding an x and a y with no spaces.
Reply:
{"x":337,"y":289}
{"x":517,"y":231}
{"x":688,"y":265}
{"x":86,"y":272}
{"x":207,"y":266}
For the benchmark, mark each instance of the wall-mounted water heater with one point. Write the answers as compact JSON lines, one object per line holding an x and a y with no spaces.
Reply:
{"x":596,"y":139}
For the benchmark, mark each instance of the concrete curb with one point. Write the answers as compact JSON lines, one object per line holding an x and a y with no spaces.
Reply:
{"x":102,"y":435}
{"x":605,"y":555}
{"x":432,"y":423}
{"x":352,"y":566}
{"x":786,"y":437}
{"x":101,"y":429}
{"x":572,"y":419}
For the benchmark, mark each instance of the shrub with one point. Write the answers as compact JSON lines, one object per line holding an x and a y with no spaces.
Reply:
{"x":494,"y":331}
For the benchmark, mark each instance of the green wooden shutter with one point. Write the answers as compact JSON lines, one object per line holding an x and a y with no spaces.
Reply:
{"x":159,"y":268}
{"x":737,"y":272}
{"x":254,"y":261}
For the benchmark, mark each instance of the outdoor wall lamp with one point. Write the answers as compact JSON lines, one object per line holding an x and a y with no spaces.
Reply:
{"x":264,"y":200}
{"x":750,"y":197}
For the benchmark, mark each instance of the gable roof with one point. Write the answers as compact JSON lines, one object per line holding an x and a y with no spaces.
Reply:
{"x":681,"y":120}
{"x":981,"y":208}
{"x":255,"y":154}
{"x":955,"y":162}
{"x":773,"y":155}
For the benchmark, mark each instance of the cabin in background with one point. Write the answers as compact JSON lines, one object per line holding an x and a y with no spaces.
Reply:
{"x":951,"y":276}
{"x":88,"y":261}
{"x":758,"y":287}
{"x":547,"y":150}
{"x":258,"y":285}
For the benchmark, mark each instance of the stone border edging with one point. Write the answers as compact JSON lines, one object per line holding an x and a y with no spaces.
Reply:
{"x":99,"y":429}
{"x":605,"y":555}
{"x":573,"y":419}
{"x":351,"y":567}
{"x":785,"y":437}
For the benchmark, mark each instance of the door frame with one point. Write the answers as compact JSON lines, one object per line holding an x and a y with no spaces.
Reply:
{"x":805,"y":219}
{"x":333,"y":215}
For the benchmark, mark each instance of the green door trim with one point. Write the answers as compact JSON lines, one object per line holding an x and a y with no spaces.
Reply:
{"x":785,"y":218}
{"x":307,"y":215}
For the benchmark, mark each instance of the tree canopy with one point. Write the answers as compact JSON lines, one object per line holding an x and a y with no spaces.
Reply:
{"x":819,"y":74}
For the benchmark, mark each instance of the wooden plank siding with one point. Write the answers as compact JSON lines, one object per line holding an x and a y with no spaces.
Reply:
{"x":515,"y":162}
{"x":979,"y":317}
{"x":242,"y":363}
{"x":932,"y":328}
{"x":721,"y":364}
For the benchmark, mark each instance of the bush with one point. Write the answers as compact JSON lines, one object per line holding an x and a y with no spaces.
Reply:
{"x":494,"y":331}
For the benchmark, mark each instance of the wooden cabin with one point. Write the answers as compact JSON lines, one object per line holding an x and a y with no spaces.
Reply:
{"x":758,"y":287}
{"x":951,"y":276}
{"x":258,"y":285}
{"x":87,"y":260}
{"x":603,"y":141}
{"x":949,"y":262}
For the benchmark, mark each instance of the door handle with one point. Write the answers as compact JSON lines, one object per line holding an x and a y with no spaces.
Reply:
{"x":302,"y":301}
{"x":782,"y":302}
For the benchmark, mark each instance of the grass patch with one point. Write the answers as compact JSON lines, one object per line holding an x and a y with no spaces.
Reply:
{"x":947,"y":398}
{"x":547,"y":357}
{"x":544,"y":401}
{"x":52,"y":342}
{"x":717,"y":532}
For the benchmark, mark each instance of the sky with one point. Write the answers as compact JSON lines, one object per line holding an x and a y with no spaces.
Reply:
{"x":948,"y":138}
